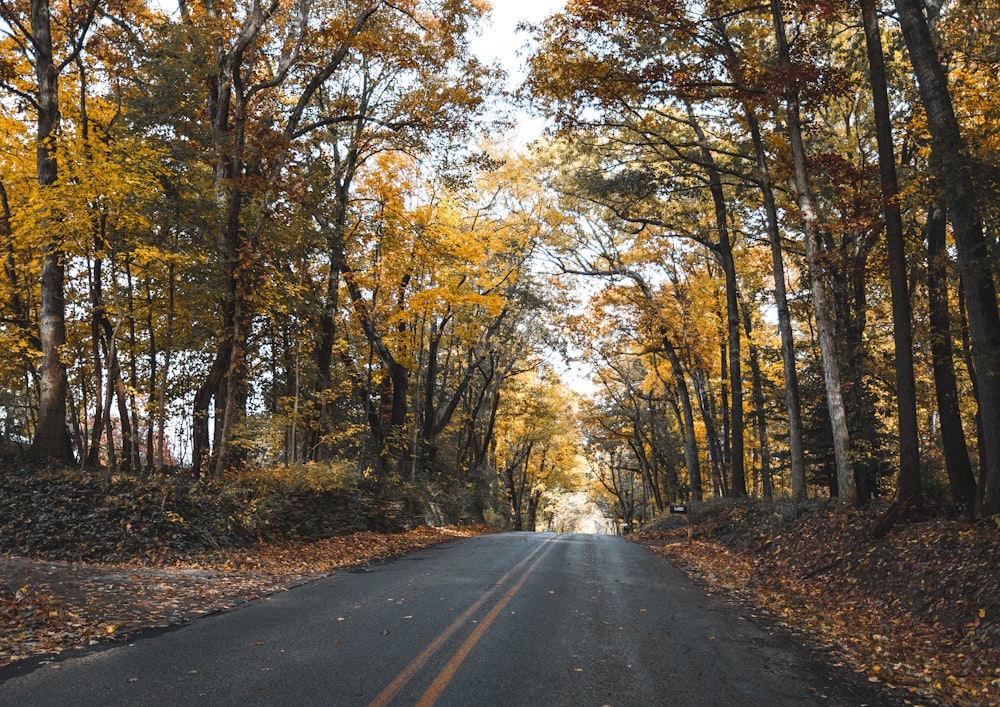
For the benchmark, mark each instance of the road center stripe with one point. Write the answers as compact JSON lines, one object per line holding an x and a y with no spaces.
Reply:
{"x":384,"y":697}
{"x":448,"y":672}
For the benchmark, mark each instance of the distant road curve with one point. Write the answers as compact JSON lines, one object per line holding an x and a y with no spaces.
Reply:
{"x":510,"y":619}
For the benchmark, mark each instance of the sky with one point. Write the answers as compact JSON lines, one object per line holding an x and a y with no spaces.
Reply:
{"x":500,"y":41}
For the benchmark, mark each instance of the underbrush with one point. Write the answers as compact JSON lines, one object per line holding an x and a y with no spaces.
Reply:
{"x":87,"y":515}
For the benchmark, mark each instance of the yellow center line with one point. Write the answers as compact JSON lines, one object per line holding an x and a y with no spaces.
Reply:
{"x":384,"y":697}
{"x":448,"y":672}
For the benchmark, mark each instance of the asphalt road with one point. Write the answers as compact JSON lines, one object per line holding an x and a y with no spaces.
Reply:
{"x":512,"y":619}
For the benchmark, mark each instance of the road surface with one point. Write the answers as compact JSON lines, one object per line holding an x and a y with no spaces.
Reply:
{"x":510,"y":619}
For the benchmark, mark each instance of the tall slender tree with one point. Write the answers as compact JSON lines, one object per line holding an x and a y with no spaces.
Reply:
{"x":953,"y":443}
{"x":51,"y":438}
{"x":953,"y":167}
{"x":847,"y":487}
{"x":737,"y":69}
{"x":909,"y":484}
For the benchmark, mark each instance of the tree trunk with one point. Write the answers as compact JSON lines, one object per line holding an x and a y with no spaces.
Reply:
{"x":517,"y":484}
{"x":393,"y":446}
{"x":956,"y":451}
{"x":534,"y":498}
{"x":910,"y":485}
{"x":478,"y":431}
{"x":168,"y":348}
{"x":104,"y":414}
{"x":691,"y":461}
{"x":52,"y":438}
{"x":201,"y":448}
{"x":152,"y":390}
{"x":716,"y":455}
{"x":228,"y":118}
{"x":793,"y":404}
{"x":847,"y":488}
{"x":20,"y":322}
{"x":236,"y":314}
{"x":953,"y":168}
{"x":93,"y":457}
{"x":131,"y":405}
{"x":124,"y":418}
{"x":231,"y":396}
{"x":757,"y":385}
{"x":335,"y":244}
{"x":738,"y":487}
{"x":649,"y":469}
{"x":724,"y":411}
{"x":16,"y":303}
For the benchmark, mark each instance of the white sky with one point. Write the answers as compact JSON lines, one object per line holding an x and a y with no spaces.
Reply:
{"x":500,"y":41}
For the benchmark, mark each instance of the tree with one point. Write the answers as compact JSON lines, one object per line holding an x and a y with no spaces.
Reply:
{"x":909,"y":486}
{"x":423,"y":88}
{"x":623,"y":91}
{"x":847,"y":488}
{"x":630,"y":410}
{"x":265,"y":121}
{"x":535,"y":450}
{"x":748,"y":97}
{"x":953,"y":167}
{"x":51,"y":438}
{"x":956,"y":451}
{"x":658,"y":126}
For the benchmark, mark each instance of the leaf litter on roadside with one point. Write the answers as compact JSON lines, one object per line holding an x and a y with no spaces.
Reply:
{"x":71,"y":605}
{"x":917,"y":610}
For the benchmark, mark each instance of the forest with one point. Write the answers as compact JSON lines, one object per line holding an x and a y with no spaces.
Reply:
{"x":292,"y":238}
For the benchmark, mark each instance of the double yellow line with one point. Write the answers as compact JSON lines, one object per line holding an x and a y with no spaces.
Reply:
{"x":440,"y":682}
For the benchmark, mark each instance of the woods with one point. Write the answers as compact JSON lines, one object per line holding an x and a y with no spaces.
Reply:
{"x":293,"y":235}
{"x":686,"y":137}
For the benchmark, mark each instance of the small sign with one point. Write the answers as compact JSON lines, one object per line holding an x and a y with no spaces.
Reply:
{"x":682,"y":508}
